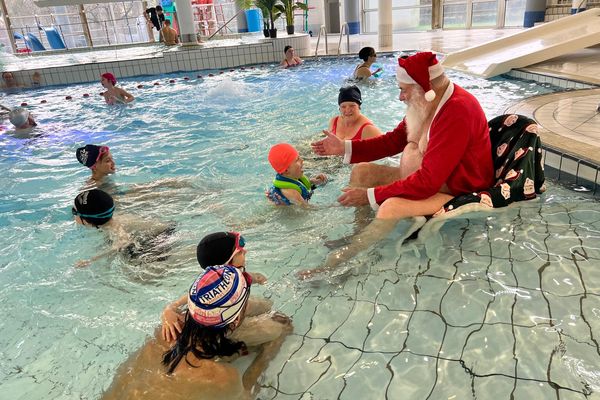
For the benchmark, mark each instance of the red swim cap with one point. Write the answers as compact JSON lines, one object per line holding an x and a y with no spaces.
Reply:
{"x":281,"y":156}
{"x":109,"y":77}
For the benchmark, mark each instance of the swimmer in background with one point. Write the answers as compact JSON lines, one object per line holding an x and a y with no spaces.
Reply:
{"x":291,"y":59}
{"x":363,"y":71}
{"x":113,"y":94}
{"x":197,"y":366}
{"x":351,"y":124}
{"x":21,"y":118}
{"x":9,"y":83}
{"x":228,"y":248}
{"x":290,"y":185}
{"x":133,"y":237}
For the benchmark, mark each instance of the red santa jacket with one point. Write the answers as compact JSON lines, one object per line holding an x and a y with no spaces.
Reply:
{"x":458,"y":151}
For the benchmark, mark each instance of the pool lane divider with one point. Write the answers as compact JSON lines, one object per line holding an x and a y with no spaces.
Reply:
{"x":141,"y":86}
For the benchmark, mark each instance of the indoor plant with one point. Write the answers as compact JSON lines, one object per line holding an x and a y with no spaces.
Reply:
{"x":288,"y":7}
{"x":274,"y":13}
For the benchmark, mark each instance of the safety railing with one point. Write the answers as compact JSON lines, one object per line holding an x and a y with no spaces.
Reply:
{"x":323,"y":31}
{"x":347,"y":30}
{"x":211,"y":19}
{"x":69,"y":28}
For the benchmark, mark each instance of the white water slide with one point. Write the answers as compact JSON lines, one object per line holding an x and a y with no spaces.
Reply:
{"x":532,"y":46}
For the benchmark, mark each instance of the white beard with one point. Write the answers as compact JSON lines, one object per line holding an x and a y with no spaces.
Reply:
{"x":417,"y":113}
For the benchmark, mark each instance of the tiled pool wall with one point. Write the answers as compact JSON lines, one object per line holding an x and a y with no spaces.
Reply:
{"x":179,"y":59}
{"x":570,"y":169}
{"x":552,"y":80}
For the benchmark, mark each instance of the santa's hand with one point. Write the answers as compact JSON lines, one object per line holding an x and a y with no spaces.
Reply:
{"x":330,"y":146}
{"x":353,"y":197}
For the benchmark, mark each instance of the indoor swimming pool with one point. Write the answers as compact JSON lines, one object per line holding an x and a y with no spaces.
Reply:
{"x":505,"y":305}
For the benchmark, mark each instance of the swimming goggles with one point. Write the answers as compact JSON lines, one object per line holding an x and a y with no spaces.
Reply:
{"x":103,"y":151}
{"x":105,"y":214}
{"x":239,"y":245}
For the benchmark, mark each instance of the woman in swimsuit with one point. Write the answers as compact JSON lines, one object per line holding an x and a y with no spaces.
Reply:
{"x":351,"y":124}
{"x":113,"y":94}
{"x":363,"y":71}
{"x":291,"y":59}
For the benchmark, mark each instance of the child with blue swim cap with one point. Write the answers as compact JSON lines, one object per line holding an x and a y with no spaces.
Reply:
{"x":290,"y":185}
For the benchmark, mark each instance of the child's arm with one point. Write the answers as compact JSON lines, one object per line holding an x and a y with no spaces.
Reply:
{"x":294,"y":197}
{"x":172,"y":321}
{"x":257,"y":277}
{"x":127,"y":97}
{"x":86,"y":263}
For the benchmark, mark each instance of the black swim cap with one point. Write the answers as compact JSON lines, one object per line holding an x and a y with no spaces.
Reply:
{"x":88,"y":154}
{"x":215,"y":249}
{"x":94,"y":206}
{"x":350,"y":93}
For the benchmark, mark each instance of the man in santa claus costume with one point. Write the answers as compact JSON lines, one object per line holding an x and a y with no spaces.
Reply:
{"x":445,"y":146}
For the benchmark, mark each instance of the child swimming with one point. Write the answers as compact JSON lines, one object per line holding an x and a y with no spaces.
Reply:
{"x":197,"y":364}
{"x":227,"y":248}
{"x":132,"y":237}
{"x":290,"y":185}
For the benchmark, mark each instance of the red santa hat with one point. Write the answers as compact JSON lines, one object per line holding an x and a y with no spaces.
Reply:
{"x":419,"y":69}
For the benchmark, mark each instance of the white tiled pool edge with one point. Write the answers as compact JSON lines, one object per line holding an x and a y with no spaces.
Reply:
{"x":180,"y":59}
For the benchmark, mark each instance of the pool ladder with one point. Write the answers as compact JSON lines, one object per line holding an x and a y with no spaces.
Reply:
{"x":343,"y":29}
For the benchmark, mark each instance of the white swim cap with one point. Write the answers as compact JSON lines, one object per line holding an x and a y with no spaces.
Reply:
{"x":18,"y":116}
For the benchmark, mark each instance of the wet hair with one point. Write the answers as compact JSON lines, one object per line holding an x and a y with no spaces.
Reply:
{"x":203,"y":342}
{"x":286,"y":48}
{"x":167,"y":22}
{"x":159,"y":8}
{"x":5,"y":73}
{"x":365,"y":53}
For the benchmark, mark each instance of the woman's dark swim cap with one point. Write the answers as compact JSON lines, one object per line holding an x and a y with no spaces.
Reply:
{"x":350,"y":93}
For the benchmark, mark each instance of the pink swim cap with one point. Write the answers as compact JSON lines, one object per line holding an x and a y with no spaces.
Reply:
{"x":109,"y":77}
{"x":281,"y":156}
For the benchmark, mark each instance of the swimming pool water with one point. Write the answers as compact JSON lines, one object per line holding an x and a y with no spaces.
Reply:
{"x":493,"y":306}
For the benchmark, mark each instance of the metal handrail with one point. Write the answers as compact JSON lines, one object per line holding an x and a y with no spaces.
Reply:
{"x":579,"y":6}
{"x":225,"y":24}
{"x":344,"y":25}
{"x":321,"y":30}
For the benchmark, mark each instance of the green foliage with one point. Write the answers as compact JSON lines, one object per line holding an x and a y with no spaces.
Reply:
{"x":269,"y":6}
{"x":288,"y":7}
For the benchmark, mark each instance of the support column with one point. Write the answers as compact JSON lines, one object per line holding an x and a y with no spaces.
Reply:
{"x":185,"y":17}
{"x":436,"y":14}
{"x":385,"y":24}
{"x":352,"y":16}
{"x":9,"y":32}
{"x":534,"y":12}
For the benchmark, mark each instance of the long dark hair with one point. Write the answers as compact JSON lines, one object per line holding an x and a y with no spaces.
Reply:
{"x":203,"y":342}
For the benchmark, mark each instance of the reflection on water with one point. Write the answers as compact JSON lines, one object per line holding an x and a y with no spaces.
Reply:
{"x":491,"y":306}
